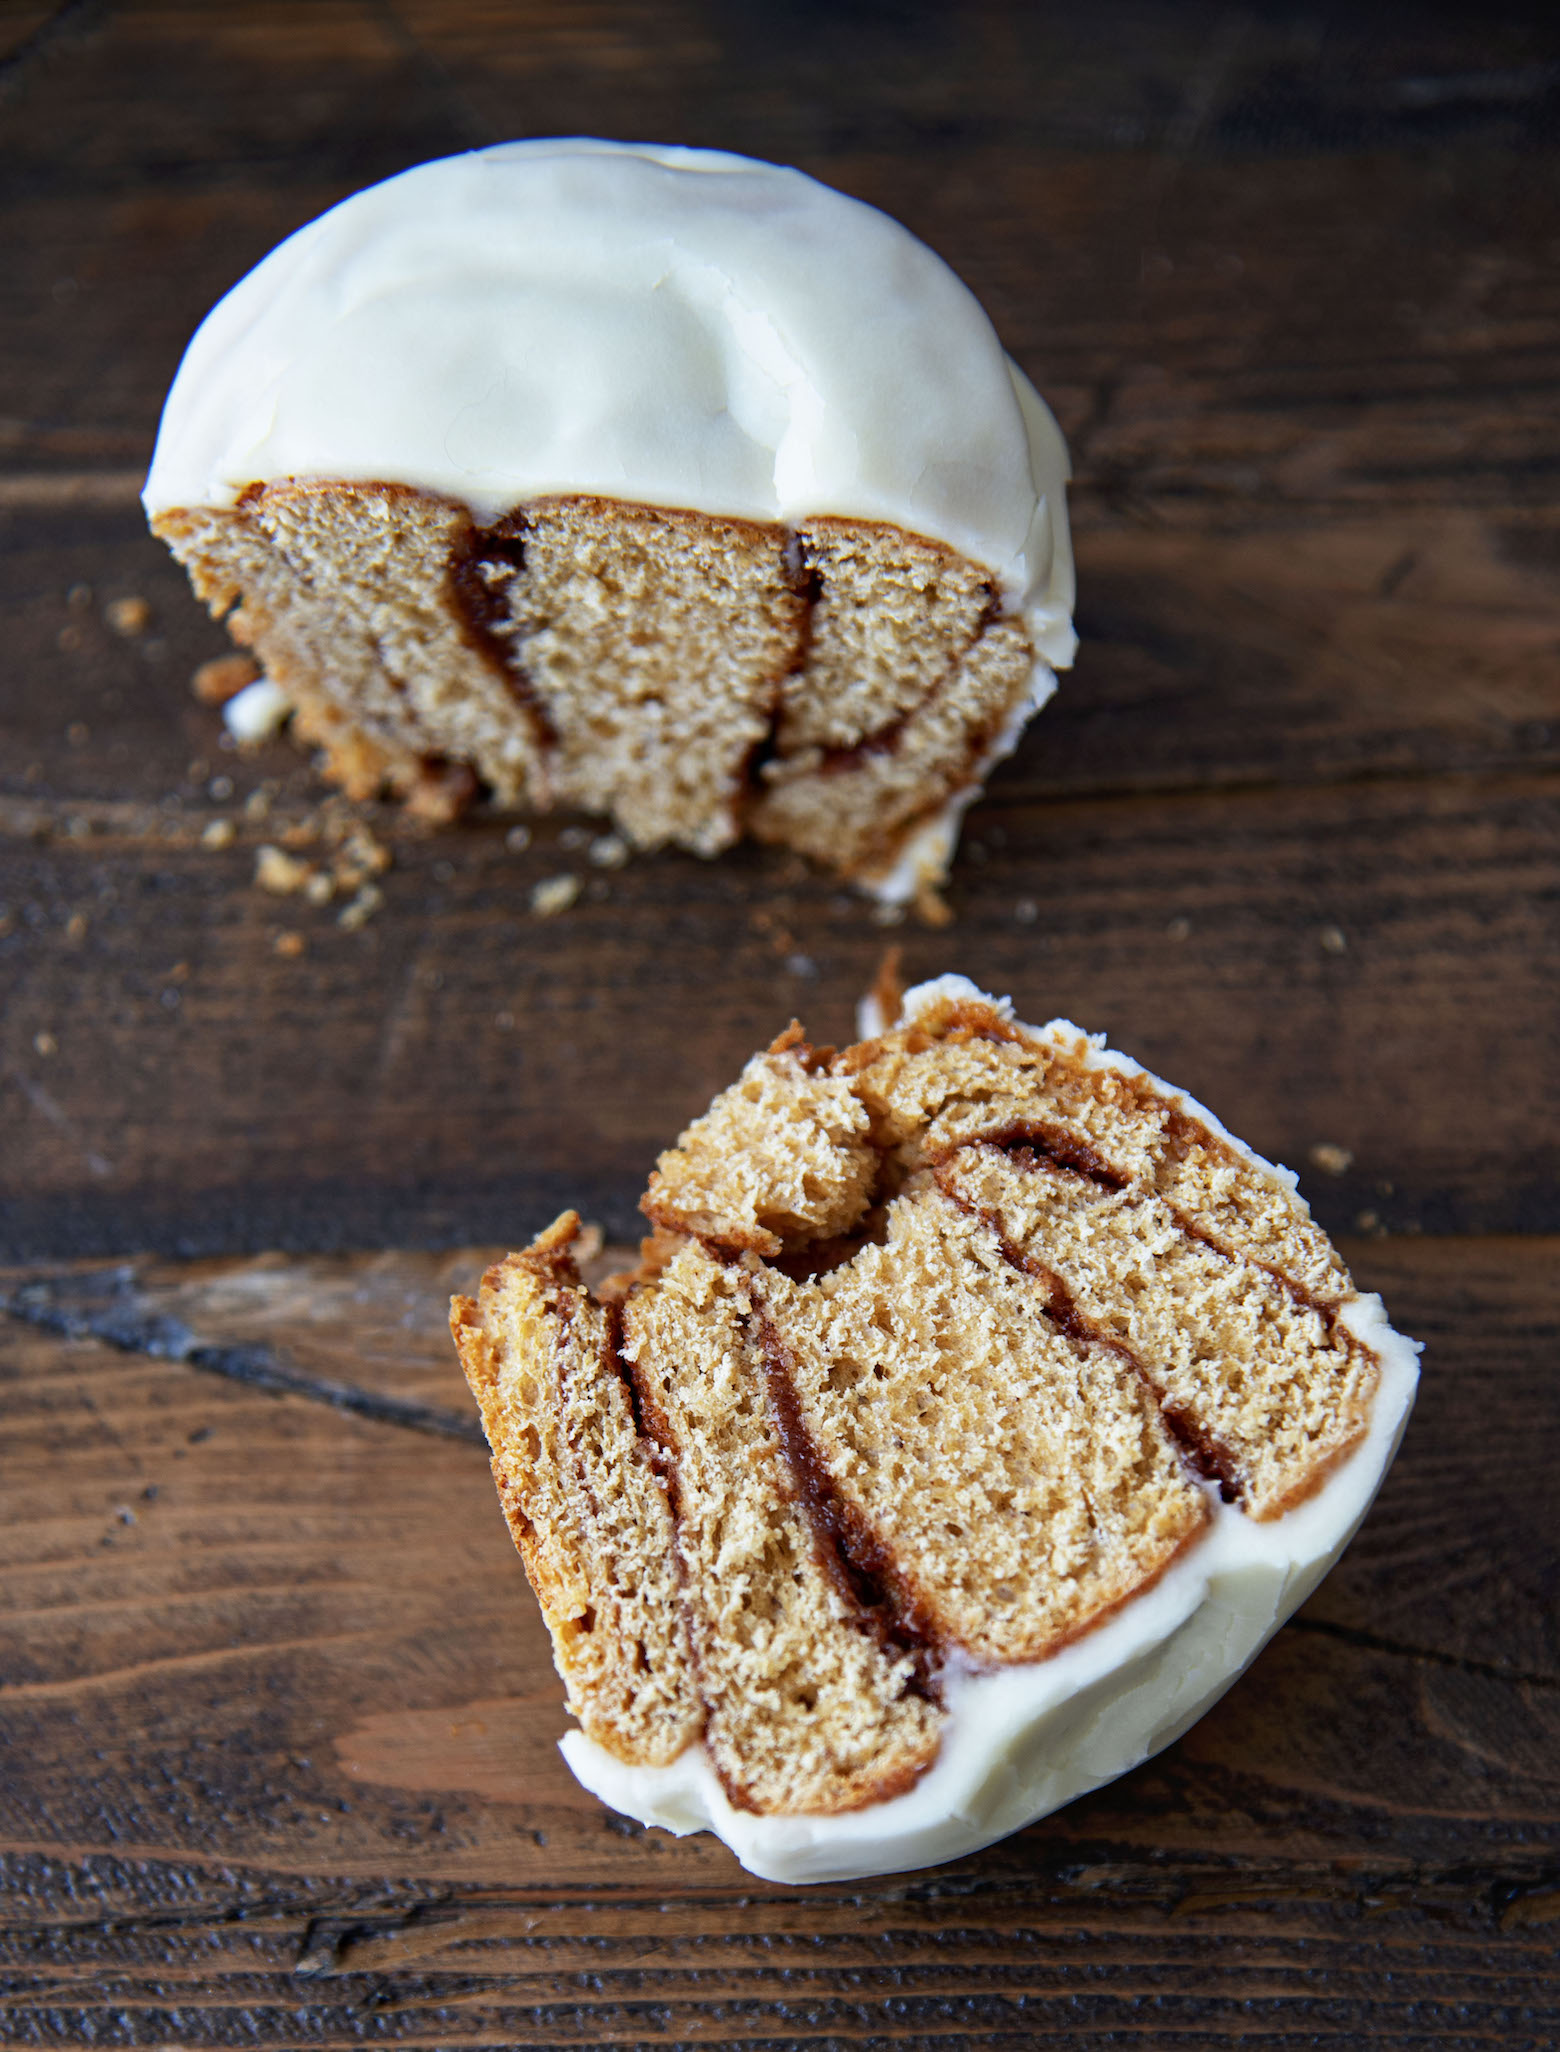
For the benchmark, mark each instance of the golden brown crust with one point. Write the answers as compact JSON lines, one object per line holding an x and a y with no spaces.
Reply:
{"x":582,"y":1495}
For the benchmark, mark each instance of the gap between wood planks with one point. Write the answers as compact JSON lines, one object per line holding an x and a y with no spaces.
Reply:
{"x":107,"y":1304}
{"x":55,"y":23}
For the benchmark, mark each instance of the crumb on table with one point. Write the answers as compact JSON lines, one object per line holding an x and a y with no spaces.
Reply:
{"x":224,"y":677}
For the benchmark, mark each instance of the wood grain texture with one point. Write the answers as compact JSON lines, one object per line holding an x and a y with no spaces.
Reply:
{"x":461,"y":1069}
{"x":284,"y":1723}
{"x":277,"y":1717}
{"x":1317,"y":532}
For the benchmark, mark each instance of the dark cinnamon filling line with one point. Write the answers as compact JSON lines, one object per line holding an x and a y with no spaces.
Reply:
{"x":651,"y":1424}
{"x":856,"y":1559}
{"x":482,"y":565}
{"x":1326,"y":1308}
{"x":654,"y":1432}
{"x":1028,"y":1142}
{"x":1182,"y":1133}
{"x":805,"y":581}
{"x":857,"y":1563}
{"x":1207,"y":1455}
{"x":886,"y":739}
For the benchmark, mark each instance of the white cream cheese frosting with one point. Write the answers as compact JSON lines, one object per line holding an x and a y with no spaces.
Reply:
{"x":1021,"y":1741}
{"x":677,"y":327}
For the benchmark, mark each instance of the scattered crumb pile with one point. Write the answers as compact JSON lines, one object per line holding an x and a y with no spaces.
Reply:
{"x":332,"y":854}
{"x":831,"y":688}
{"x":347,"y":865}
{"x":937,"y":1350}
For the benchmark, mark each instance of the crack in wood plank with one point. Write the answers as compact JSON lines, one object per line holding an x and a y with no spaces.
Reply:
{"x":1374,"y":1642}
{"x":105,"y":1304}
{"x":32,"y":46}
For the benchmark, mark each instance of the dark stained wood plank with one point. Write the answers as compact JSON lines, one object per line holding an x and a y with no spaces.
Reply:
{"x":1309,"y":382}
{"x":1318,"y":964}
{"x":1289,"y":834}
{"x":1472,"y":1485}
{"x":1305,"y":651}
{"x":285,"y":1739}
{"x":727,"y":1985}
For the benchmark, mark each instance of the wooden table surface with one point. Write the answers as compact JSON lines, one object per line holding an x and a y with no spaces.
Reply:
{"x":277,"y":1716}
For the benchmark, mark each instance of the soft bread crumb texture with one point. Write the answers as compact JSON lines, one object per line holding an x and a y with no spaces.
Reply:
{"x":783,"y":1160}
{"x":940,"y":1346}
{"x":831,"y":687}
{"x":584,"y":1497}
{"x":1023,"y":1484}
{"x":806,"y":1709}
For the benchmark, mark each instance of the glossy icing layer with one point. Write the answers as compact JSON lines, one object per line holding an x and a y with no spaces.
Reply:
{"x":675,"y":327}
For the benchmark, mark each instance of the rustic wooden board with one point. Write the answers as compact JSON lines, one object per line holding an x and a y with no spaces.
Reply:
{"x":460,"y":1069}
{"x":281,"y":1722}
{"x":277,"y":1719}
{"x":1318,"y":540}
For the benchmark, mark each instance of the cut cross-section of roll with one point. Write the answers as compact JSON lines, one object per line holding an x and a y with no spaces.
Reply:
{"x":653,"y":482}
{"x":978,"y":1409}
